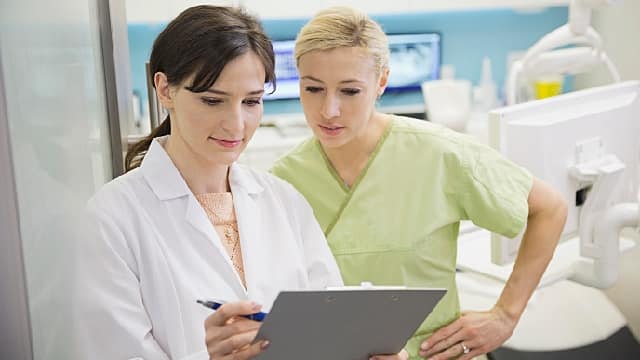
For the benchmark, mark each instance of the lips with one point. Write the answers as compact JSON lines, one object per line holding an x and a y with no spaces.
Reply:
{"x":331,"y":130}
{"x":226,"y":142}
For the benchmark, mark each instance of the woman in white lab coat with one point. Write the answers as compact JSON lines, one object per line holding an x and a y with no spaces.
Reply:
{"x":186,"y":222}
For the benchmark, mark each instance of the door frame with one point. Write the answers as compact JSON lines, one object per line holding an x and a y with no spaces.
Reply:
{"x":15,"y":324}
{"x":114,"y":45}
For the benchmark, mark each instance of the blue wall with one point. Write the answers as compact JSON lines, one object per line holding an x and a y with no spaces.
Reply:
{"x":467,"y":36}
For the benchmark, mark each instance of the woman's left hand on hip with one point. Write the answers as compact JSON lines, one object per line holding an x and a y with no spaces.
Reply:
{"x":472,"y":334}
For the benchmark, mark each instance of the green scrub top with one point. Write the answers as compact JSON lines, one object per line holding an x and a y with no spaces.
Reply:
{"x":398,"y":223}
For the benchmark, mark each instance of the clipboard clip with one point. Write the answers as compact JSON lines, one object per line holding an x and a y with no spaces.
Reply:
{"x":366,"y":285}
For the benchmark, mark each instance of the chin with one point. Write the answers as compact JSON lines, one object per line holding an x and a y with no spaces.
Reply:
{"x":224,"y":158}
{"x":325,"y":141}
{"x":332,"y":143}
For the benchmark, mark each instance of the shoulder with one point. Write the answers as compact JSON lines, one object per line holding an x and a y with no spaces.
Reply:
{"x":298,"y":156}
{"x":271,"y":184}
{"x":118,"y":195}
{"x":461,"y":157}
{"x":278,"y":196}
{"x":425,"y":131}
{"x":424,"y":137}
{"x":114,"y":214}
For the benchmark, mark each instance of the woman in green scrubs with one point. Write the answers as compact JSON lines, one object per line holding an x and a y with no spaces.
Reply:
{"x":390,"y":192}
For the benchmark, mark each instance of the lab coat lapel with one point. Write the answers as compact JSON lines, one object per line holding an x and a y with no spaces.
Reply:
{"x":245,"y":190}
{"x":169,"y":186}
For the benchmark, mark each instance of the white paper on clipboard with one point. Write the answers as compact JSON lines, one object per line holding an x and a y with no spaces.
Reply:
{"x":344,"y":324}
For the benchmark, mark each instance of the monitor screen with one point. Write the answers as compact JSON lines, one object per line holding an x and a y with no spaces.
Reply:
{"x":286,"y":72}
{"x":413,"y":59}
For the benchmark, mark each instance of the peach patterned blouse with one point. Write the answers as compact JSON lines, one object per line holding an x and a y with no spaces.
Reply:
{"x":219,"y":209}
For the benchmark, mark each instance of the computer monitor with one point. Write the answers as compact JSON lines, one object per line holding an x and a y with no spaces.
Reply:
{"x":286,"y":73}
{"x":569,"y":141}
{"x":413,"y":59}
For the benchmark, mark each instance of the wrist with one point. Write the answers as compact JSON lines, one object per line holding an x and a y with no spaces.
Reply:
{"x":507,"y":314}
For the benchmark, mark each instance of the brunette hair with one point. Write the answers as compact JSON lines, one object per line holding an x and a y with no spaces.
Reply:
{"x":200,"y":42}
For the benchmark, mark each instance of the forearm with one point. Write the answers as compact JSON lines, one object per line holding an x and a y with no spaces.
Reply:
{"x":536,"y":250}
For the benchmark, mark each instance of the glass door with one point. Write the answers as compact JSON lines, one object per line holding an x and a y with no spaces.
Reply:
{"x":60,"y":141}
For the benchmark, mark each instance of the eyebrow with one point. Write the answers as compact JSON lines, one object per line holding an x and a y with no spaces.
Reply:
{"x":220,"y":92}
{"x":309,"y":77}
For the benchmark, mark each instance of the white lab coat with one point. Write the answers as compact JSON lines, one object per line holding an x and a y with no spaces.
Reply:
{"x":153,"y":251}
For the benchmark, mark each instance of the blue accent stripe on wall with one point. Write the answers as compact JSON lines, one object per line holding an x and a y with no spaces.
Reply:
{"x":141,"y":37}
{"x":467,"y":36}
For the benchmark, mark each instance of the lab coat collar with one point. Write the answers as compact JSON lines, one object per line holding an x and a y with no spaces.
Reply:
{"x":167,"y":183}
{"x":241,"y":177}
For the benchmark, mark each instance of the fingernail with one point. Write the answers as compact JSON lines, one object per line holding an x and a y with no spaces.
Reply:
{"x":265,"y":344}
{"x":424,"y":346}
{"x":255,"y":306}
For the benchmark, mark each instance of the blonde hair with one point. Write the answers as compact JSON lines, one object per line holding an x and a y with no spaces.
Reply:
{"x":344,"y":27}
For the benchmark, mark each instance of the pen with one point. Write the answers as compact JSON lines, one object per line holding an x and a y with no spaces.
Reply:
{"x":259,"y":316}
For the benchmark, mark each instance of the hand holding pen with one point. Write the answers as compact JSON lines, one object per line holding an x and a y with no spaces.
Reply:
{"x":229,"y":331}
{"x":215,"y":304}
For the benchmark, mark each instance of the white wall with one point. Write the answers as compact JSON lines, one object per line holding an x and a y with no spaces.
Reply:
{"x":155,"y":11}
{"x":163,"y":10}
{"x":296,"y":8}
{"x":619,"y":27}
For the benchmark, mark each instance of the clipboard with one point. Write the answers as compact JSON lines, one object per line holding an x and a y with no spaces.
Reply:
{"x":344,"y":324}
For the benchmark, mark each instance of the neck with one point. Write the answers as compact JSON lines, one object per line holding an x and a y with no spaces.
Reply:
{"x":351,"y":158}
{"x":200,"y":175}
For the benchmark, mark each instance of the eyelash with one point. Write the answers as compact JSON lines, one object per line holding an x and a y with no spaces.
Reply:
{"x":253,"y":102}
{"x":348,"y":91}
{"x":249,"y":102}
{"x":211,"y":102}
{"x":313,"y":89}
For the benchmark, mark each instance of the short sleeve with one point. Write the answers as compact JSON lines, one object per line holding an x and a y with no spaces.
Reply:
{"x":493,"y":191}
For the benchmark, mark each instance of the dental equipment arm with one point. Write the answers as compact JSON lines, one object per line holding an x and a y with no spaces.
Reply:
{"x":601,"y":221}
{"x":544,"y":57}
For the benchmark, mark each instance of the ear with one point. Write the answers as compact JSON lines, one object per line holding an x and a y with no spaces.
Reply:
{"x":163,"y":90}
{"x":382,"y":83}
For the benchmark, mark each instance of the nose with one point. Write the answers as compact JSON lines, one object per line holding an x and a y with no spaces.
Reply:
{"x":330,"y":107}
{"x":234,"y":120}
